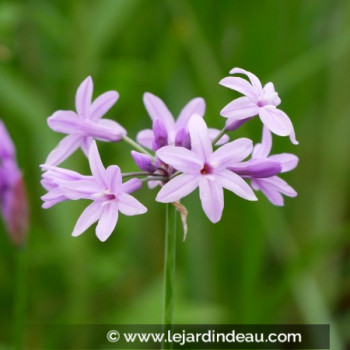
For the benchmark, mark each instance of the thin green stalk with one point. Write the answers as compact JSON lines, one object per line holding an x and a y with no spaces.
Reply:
{"x":19,"y":294}
{"x":169,"y":261}
{"x":219,"y":136}
{"x":136,"y":145}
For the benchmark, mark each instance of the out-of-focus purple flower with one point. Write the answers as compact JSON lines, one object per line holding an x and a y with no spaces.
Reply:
{"x":13,"y":195}
{"x":85,"y":124}
{"x":105,"y":188}
{"x":144,"y":161}
{"x":257,"y":100}
{"x":167,"y":131}
{"x":203,"y":168}
{"x":272,"y":186}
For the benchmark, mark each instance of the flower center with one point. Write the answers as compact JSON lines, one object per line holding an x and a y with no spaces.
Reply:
{"x":261,"y":104}
{"x":207,"y":169}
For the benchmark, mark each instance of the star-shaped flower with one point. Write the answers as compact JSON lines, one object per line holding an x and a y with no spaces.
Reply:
{"x":203,"y":168}
{"x":105,"y":188}
{"x":85,"y":124}
{"x":257,"y":100}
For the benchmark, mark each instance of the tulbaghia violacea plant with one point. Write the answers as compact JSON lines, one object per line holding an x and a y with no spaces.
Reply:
{"x":13,"y":197}
{"x":174,"y":156}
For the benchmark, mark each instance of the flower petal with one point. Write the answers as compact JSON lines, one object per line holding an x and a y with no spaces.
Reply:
{"x":233,"y":124}
{"x":257,"y":168}
{"x":108,"y":130}
{"x":181,"y":159}
{"x":200,"y":141}
{"x":160,"y":134}
{"x":79,"y":189}
{"x":158,"y":110}
{"x":89,"y":216}
{"x":85,"y":145}
{"x":143,"y":161}
{"x":182,"y":138}
{"x":83,"y":97}
{"x":7,"y":148}
{"x":276,"y":121}
{"x":235,"y":184}
{"x":96,"y":166}
{"x":212,"y":198}
{"x":281,"y":186}
{"x":128,"y":205}
{"x":242,"y":86}
{"x":131,"y":185}
{"x":113,"y":178}
{"x":64,"y":149}
{"x":240,"y":108}
{"x":145,"y":138}
{"x":107,"y":222}
{"x":287,"y":160}
{"x":195,"y":106}
{"x":252,"y":77}
{"x":103,"y":104}
{"x":270,"y":95}
{"x":66,"y":122}
{"x":262,"y":150}
{"x":231,"y":153}
{"x":177,"y":188}
{"x":270,"y":192}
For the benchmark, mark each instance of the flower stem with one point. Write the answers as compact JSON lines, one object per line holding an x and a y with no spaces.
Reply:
{"x":136,"y":145}
{"x":169,"y":261}
{"x":19,"y":299}
{"x":219,"y":136}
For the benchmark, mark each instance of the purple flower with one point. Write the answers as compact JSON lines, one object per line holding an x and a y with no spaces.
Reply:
{"x":273,"y":187}
{"x":167,"y":131}
{"x":105,"y":188}
{"x":203,"y":168}
{"x":13,"y":195}
{"x":257,"y":100}
{"x":84,"y":125}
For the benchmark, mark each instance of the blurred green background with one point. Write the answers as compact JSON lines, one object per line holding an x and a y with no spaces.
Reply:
{"x":260,"y":264}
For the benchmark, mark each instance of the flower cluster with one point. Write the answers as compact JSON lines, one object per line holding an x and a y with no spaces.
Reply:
{"x":13,"y":198}
{"x":176,"y":155}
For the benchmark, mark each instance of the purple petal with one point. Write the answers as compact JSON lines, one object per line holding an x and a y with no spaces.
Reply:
{"x":195,"y":106}
{"x":160,"y":134}
{"x":103,"y":104}
{"x":181,"y":159}
{"x":113,"y":178}
{"x":271,"y":193}
{"x":177,"y":188}
{"x":262,"y":150}
{"x":280,"y":185}
{"x":145,"y":138}
{"x":200,"y":141}
{"x":183,"y":139}
{"x":276,"y":121}
{"x":107,"y":222}
{"x":96,"y":166}
{"x":158,"y":110}
{"x":108,"y":130}
{"x":235,"y":184}
{"x":212,"y":198}
{"x":215,"y":132}
{"x":128,"y":205}
{"x":288,"y":161}
{"x":66,"y":122}
{"x":143,"y":161}
{"x":270,"y":95}
{"x":231,"y":153}
{"x":83,"y":97}
{"x":64,"y":149}
{"x":131,"y":186}
{"x":233,"y":124}
{"x":258,"y":168}
{"x":7,"y":148}
{"x":240,"y":108}
{"x":242,"y":86}
{"x":252,"y":77}
{"x":79,"y":189}
{"x":89,"y":216}
{"x":85,"y":145}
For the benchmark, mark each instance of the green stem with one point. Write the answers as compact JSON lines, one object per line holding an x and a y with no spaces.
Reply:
{"x":136,"y":146}
{"x":19,"y":299}
{"x":219,"y":136}
{"x":169,"y":268}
